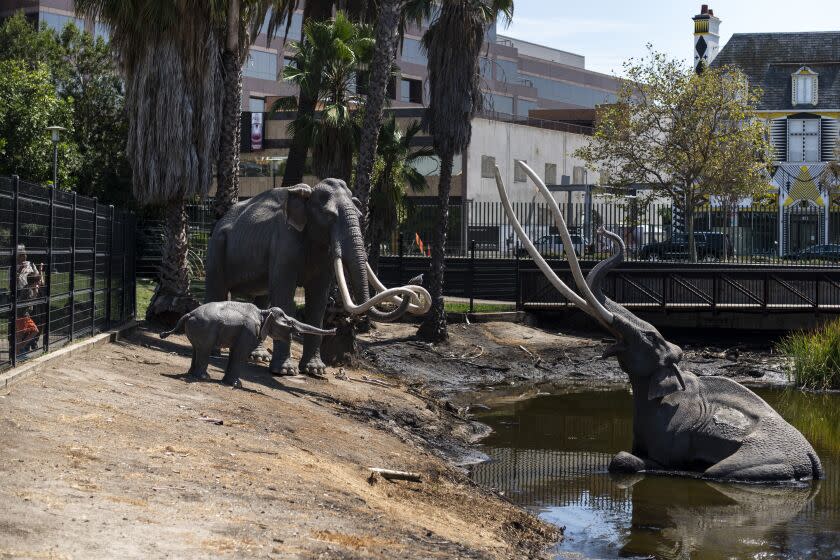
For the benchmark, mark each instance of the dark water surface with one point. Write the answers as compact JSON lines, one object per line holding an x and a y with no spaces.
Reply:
{"x":550,"y":454}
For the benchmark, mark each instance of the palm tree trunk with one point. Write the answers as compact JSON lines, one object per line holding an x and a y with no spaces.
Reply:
{"x":172,"y":297}
{"x":380,"y":70}
{"x":433,"y":328}
{"x":227,"y":165}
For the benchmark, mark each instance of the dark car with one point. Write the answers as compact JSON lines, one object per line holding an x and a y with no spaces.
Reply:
{"x":551,"y":246}
{"x":711,"y":245}
{"x":827,"y":252}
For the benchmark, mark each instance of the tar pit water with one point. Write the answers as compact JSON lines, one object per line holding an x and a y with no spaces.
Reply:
{"x":550,"y":454}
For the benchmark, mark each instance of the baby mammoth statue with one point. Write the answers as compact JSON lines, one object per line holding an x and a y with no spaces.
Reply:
{"x":238,"y":326}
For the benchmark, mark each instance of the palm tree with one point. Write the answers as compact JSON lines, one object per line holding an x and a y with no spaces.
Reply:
{"x":325,"y":66}
{"x":393,"y":173}
{"x":169,"y":53}
{"x":390,"y":24}
{"x":453,"y":43}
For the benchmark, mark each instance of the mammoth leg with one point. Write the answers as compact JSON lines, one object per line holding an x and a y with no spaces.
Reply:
{"x":282,"y":284}
{"x":200,"y":361}
{"x":749,"y":463}
{"x":236,"y":359}
{"x":260,"y":353}
{"x":317,"y":294}
{"x":215,"y":283}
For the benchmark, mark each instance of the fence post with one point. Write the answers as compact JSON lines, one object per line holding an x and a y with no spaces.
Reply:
{"x":110,"y":258}
{"x":122,"y":273}
{"x":93,"y":271}
{"x":73,"y":269}
{"x":48,"y":280}
{"x":518,"y":278}
{"x":472,"y":274}
{"x":400,"y":258}
{"x":13,"y":271}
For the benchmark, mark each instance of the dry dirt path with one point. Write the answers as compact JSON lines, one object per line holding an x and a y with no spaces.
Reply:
{"x":113,"y":454}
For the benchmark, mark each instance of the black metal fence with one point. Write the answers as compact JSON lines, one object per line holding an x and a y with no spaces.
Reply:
{"x":66,"y":268}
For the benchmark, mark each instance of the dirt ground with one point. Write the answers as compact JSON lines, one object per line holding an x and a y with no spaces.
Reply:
{"x":114,"y":454}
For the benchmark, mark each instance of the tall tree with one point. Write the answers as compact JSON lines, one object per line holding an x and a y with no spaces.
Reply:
{"x":233,"y":55}
{"x":325,"y":66}
{"x":169,"y":53}
{"x":393,"y":173}
{"x":683,"y":135}
{"x":83,"y":74}
{"x":391,"y":21}
{"x":453,"y":42}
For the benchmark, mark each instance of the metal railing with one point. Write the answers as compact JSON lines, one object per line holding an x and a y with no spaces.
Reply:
{"x":66,"y":268}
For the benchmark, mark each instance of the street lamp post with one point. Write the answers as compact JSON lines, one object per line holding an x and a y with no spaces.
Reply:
{"x":55,"y":131}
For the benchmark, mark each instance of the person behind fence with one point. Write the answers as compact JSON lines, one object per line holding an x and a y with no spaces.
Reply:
{"x":29,"y":283}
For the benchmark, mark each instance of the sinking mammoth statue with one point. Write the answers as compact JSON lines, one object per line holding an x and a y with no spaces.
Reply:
{"x":711,"y":426}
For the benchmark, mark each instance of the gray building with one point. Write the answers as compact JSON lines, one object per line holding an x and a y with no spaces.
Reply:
{"x":518,"y":76}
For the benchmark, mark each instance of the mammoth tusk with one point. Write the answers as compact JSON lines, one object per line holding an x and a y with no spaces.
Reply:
{"x":381,"y":297}
{"x":421,"y":301}
{"x":603,"y":314}
{"x":561,"y":286}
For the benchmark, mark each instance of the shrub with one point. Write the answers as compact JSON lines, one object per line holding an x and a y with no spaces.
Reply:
{"x":815,"y":356}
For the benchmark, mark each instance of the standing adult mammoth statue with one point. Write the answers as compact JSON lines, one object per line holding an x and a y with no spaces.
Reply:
{"x":712,"y":426}
{"x":267,"y":246}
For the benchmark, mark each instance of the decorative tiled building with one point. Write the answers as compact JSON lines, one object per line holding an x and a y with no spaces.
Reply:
{"x":799,"y":74}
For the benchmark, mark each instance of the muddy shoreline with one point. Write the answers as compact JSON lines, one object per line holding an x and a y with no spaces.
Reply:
{"x":114,"y":453}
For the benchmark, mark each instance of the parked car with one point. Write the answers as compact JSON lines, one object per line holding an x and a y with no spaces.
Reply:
{"x":711,"y":245}
{"x":551,"y":246}
{"x":827,"y":252}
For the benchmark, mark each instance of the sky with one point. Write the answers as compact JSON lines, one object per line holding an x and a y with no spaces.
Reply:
{"x":607,"y":32}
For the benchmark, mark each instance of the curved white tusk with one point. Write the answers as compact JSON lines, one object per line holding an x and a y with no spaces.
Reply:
{"x":567,"y":292}
{"x":568,"y":248}
{"x":421,"y":300}
{"x":347,"y":301}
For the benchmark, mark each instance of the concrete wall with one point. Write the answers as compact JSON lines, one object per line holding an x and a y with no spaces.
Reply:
{"x":507,"y":142}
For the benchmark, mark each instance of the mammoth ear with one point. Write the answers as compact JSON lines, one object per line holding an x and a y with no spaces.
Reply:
{"x":295,"y":205}
{"x":665,"y":381}
{"x":265,"y":317}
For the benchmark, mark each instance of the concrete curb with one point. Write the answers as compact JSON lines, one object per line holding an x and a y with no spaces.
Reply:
{"x":36,"y":365}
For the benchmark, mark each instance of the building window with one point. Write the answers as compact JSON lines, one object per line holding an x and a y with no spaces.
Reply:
{"x":579,"y":175}
{"x":523,"y":107}
{"x":506,"y":71}
{"x":804,"y":84}
{"x":411,"y":91}
{"x":518,"y":174}
{"x":498,"y":103}
{"x":256,"y":104}
{"x":804,"y":140}
{"x":488,"y":167}
{"x":58,"y":21}
{"x":261,"y":64}
{"x":412,"y":51}
{"x":550,"y":173}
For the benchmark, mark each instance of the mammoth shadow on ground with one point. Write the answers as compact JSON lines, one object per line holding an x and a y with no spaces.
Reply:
{"x":712,"y":426}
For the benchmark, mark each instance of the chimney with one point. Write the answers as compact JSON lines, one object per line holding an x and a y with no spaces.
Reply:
{"x":706,"y":37}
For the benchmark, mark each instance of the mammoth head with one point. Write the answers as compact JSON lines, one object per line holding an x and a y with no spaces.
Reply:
{"x":642,"y":352}
{"x":279,"y":326}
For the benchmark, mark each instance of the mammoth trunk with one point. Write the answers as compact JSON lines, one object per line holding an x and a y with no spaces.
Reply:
{"x":353,"y":256}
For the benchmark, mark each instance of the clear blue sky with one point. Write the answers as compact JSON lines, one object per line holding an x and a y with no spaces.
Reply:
{"x":607,"y":32}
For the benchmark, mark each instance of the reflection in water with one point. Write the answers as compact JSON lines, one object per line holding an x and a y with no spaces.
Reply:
{"x":551,"y":454}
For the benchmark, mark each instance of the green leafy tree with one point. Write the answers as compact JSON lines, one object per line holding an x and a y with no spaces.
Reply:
{"x":325,"y":66}
{"x":453,"y":42}
{"x":393,"y":173}
{"x":682,"y":134}
{"x":84,"y":75}
{"x":169,"y":54}
{"x":28,"y":105}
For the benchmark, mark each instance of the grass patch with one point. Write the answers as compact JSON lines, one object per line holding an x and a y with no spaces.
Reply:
{"x":815,"y":356}
{"x":464,"y":307}
{"x":145,"y":290}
